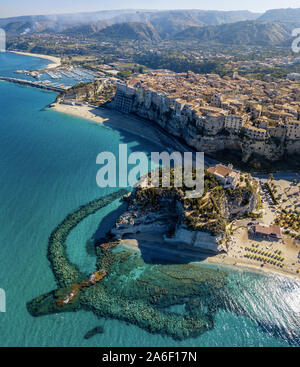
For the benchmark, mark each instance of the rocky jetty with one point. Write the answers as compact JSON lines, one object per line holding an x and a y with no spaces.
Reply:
{"x":126,"y":288}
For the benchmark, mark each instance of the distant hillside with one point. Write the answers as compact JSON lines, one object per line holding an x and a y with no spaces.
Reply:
{"x":61,"y":22}
{"x":18,"y":28}
{"x":167,"y":23}
{"x":211,"y":17}
{"x":26,"y":25}
{"x":281,"y":15}
{"x":170,"y":22}
{"x":129,"y":31}
{"x":86,"y":30}
{"x":68,"y":19}
{"x":246,"y":33}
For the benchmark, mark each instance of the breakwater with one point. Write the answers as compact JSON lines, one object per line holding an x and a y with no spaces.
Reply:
{"x":67,"y":275}
{"x":176,"y":300}
{"x":65,"y":272}
{"x":36,"y":84}
{"x":146,"y":295}
{"x":132,"y":291}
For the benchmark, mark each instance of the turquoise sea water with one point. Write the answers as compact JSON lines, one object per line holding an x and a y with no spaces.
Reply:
{"x":11,"y":62}
{"x":48,"y":169}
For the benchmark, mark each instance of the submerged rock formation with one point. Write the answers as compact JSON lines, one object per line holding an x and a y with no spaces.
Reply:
{"x":126,"y":288}
{"x":179,"y":300}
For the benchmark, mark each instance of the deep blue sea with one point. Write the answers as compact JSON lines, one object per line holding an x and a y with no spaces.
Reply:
{"x":48,"y":169}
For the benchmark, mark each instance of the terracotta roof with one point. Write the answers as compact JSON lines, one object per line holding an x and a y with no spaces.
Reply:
{"x":268,"y":230}
{"x":221,"y":170}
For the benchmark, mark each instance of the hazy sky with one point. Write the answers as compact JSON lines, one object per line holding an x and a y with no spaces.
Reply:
{"x":27,"y":7}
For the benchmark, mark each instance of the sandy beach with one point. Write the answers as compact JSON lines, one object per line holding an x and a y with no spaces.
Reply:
{"x":84,"y":112}
{"x":56,"y":61}
{"x":151,"y":240}
{"x":129,"y":123}
{"x":243,"y":264}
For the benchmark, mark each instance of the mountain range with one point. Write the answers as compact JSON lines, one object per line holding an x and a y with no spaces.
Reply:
{"x":246,"y":33}
{"x":228,"y":27}
{"x":166,"y":23}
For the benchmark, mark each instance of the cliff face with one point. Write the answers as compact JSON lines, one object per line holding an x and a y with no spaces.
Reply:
{"x":97,"y":92}
{"x":196,"y":223}
{"x":204,"y":133}
{"x":163,"y":214}
{"x":150,"y":210}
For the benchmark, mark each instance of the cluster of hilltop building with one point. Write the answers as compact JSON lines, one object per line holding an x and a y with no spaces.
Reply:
{"x":212,"y":113}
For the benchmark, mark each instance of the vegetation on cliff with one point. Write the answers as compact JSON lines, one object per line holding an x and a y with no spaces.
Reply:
{"x":96,"y":93}
{"x":209,"y":213}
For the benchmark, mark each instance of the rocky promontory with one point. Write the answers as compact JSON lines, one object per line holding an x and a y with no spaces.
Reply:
{"x":198,"y":224}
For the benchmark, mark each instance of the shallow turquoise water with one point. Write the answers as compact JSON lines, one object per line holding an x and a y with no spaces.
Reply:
{"x":48,"y":168}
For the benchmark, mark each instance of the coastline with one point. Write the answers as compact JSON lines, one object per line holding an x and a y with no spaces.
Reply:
{"x":221,"y":260}
{"x":137,"y":127}
{"x":247,"y":266}
{"x":115,"y":119}
{"x":119,"y":333}
{"x":84,"y":112}
{"x":56,"y":61}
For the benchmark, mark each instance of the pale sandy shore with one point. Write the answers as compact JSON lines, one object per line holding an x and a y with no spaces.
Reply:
{"x":128,"y":123}
{"x":84,"y":112}
{"x":217,"y":260}
{"x":56,"y":61}
{"x":243,"y":264}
